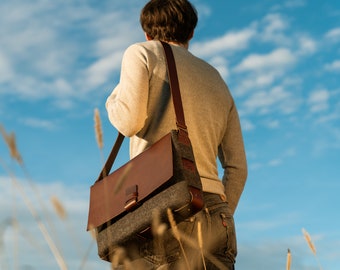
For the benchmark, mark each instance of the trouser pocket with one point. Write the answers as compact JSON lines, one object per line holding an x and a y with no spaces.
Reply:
{"x":230,"y":249}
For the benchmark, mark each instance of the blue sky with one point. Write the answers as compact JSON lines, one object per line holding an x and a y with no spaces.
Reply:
{"x":59,"y":60}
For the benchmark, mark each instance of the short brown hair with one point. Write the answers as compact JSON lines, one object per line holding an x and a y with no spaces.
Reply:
{"x":169,"y":20}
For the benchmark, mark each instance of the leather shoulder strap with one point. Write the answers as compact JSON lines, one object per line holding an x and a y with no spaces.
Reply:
{"x":174,"y":86}
{"x":176,"y":98}
{"x":112,"y":157}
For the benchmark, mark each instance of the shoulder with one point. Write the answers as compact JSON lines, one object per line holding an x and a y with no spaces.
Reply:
{"x":207,"y":70}
{"x":143,"y":51}
{"x":146,"y":47}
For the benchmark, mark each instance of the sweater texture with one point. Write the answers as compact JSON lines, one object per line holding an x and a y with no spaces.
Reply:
{"x":141,"y":108}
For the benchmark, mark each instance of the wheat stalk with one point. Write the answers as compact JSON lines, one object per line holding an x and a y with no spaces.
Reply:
{"x":120,"y":255}
{"x":309,"y":241}
{"x":57,"y":255}
{"x":177,"y":235}
{"x":98,"y":129}
{"x":28,"y":236}
{"x":189,"y":241}
{"x":158,"y":229}
{"x":289,"y":260}
{"x":86,"y":255}
{"x":98,"y":133}
{"x":120,"y":258}
{"x":311,"y":245}
{"x":193,"y":244}
{"x":173,"y":225}
{"x":62,"y":214}
{"x":3,"y":226}
{"x":58,"y":207}
{"x":11,"y":143}
{"x":55,"y":251}
{"x":200,"y":242}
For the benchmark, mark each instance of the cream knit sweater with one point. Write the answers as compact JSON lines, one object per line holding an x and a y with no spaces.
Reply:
{"x":141,"y":107}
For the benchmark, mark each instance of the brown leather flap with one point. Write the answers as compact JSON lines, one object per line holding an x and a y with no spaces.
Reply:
{"x":146,"y":172}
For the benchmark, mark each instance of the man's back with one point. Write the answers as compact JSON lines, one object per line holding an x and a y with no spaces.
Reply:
{"x":208,"y":106}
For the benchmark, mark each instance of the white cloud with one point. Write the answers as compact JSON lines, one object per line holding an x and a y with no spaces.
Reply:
{"x":306,"y":45}
{"x":231,"y":41}
{"x":265,"y":68}
{"x":271,"y":254}
{"x":276,"y":59}
{"x":290,"y":152}
{"x":100,"y":71}
{"x":322,"y":146}
{"x":45,"y":41}
{"x":33,"y":41}
{"x":221,"y":64}
{"x":247,"y":125}
{"x":261,"y":225}
{"x":318,"y":100}
{"x":203,"y":10}
{"x":333,"y":34}
{"x":328,"y":118}
{"x":273,"y":124}
{"x":334,"y":66}
{"x":39,"y":123}
{"x":273,"y":26}
{"x":274,"y":23}
{"x":265,"y":102}
{"x":5,"y":68}
{"x":275,"y":162}
{"x":256,"y":80}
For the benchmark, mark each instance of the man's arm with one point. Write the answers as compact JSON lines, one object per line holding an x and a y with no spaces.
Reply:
{"x":233,"y":159}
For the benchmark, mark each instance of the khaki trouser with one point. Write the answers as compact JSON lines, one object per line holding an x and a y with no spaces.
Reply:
{"x":218,"y":236}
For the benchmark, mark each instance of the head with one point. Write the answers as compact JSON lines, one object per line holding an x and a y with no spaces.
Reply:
{"x":169,"y":20}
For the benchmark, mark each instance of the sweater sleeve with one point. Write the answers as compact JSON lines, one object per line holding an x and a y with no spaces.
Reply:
{"x":127,"y":104}
{"x":233,"y":160}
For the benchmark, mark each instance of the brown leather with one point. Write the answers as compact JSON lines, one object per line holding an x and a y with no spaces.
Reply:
{"x":174,"y":86}
{"x":107,"y":200}
{"x":111,"y":159}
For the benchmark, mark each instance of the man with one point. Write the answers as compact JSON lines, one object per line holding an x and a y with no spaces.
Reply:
{"x":141,"y":108}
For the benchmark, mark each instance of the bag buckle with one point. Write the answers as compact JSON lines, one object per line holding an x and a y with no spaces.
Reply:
{"x":131,"y":194}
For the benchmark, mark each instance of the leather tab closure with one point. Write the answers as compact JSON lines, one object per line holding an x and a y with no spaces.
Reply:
{"x":197,"y":199}
{"x":131,"y":194}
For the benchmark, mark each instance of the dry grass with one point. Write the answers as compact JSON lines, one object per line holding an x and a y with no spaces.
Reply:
{"x":14,"y":153}
{"x":200,"y":242}
{"x":12,"y":145}
{"x":289,"y":260}
{"x":177,"y":235}
{"x":98,"y":133}
{"x":98,"y":129}
{"x":59,"y":208}
{"x":120,"y":256}
{"x":311,"y":246}
{"x":309,"y":241}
